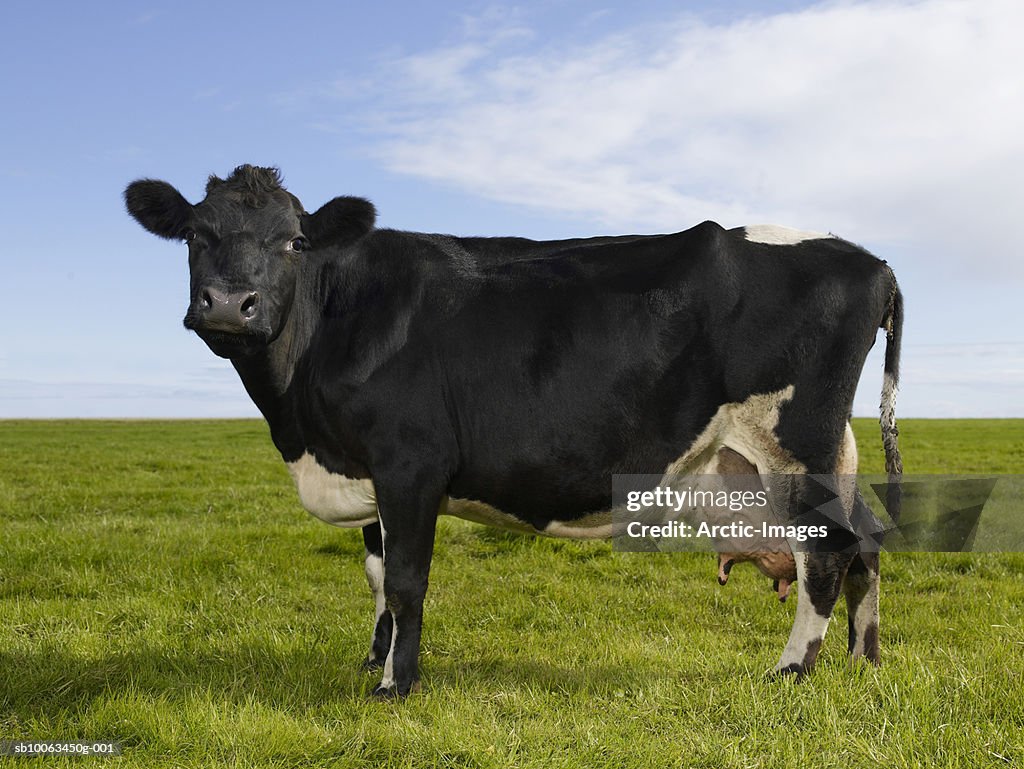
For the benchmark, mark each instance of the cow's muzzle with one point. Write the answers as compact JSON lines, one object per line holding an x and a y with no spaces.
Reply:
{"x":230,"y":312}
{"x":232,"y":323}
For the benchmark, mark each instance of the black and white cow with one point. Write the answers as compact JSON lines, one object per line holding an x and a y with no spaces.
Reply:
{"x":505,"y":380}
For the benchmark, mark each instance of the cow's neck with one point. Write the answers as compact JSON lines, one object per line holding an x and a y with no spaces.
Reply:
{"x":268,"y":375}
{"x":337,"y":298}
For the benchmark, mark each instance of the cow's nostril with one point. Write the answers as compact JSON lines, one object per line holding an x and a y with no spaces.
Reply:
{"x":248,"y":308}
{"x":205,"y":300}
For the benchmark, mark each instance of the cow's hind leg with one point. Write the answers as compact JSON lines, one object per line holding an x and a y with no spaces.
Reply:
{"x":380,"y":643}
{"x":821,"y":566}
{"x":820,"y":578}
{"x":861,"y":588}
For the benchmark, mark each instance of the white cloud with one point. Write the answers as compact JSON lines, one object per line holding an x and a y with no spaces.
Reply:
{"x":883,"y":121}
{"x":975,"y":379}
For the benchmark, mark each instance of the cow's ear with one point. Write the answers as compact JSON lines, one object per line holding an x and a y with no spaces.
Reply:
{"x":339,"y":221}
{"x":158,"y":207}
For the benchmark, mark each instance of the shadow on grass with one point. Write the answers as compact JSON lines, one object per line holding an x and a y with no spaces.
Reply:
{"x":47,"y":681}
{"x":347,"y":549}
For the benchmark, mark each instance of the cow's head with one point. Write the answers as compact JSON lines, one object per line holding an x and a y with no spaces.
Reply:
{"x":246,"y":241}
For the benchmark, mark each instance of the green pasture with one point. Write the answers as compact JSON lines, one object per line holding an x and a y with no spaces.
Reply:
{"x":161,"y":586}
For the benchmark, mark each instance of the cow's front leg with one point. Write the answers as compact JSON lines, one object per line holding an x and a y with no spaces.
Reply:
{"x":407,"y":522}
{"x":380,"y":643}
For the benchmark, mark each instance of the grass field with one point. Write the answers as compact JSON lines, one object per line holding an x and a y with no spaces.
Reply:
{"x":160,"y":586}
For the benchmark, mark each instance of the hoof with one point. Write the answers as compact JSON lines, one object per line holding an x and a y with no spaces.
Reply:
{"x":794,"y":670}
{"x":725,"y":564}
{"x":394,"y":692}
{"x":368,"y":664}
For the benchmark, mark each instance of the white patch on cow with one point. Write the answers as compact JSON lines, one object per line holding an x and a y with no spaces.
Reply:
{"x":774,"y":235}
{"x":748,"y":428}
{"x":593,"y":526}
{"x":808,"y":626}
{"x":331,"y":497}
{"x":846,"y":469}
{"x":480,"y":512}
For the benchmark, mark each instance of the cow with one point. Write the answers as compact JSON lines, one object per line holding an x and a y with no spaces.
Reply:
{"x":506,"y":381}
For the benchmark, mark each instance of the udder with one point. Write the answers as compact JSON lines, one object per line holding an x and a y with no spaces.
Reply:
{"x":771,"y":555}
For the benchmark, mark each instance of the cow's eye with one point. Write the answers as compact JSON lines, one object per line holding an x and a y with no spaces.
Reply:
{"x":298,"y":245}
{"x":188,"y":235}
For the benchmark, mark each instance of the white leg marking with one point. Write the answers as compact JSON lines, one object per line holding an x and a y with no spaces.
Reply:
{"x":388,"y":679}
{"x":374,"y":566}
{"x":774,"y":235}
{"x":848,"y":459}
{"x":808,"y":625}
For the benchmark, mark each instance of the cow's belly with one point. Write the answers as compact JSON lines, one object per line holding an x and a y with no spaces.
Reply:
{"x":746,"y":428}
{"x":351,"y":502}
{"x":592,"y":526}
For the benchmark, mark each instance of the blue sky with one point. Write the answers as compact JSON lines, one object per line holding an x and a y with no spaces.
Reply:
{"x":899,"y":125}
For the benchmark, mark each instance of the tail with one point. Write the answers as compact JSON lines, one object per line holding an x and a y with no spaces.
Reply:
{"x":893,"y":325}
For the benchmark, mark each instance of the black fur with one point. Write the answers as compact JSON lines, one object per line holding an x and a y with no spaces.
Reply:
{"x":158,"y":207}
{"x":340,"y":221}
